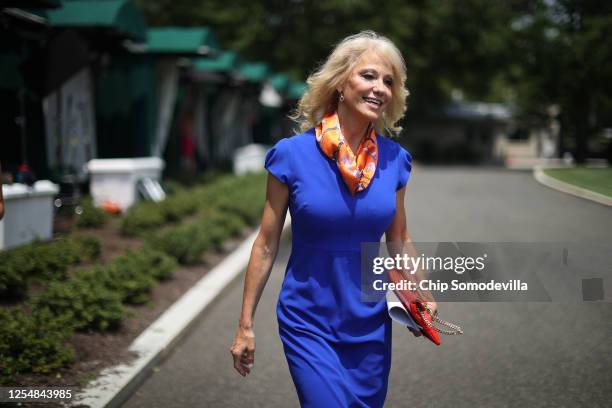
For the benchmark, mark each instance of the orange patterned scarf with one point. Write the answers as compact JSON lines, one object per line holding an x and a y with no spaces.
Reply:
{"x":356,"y":170}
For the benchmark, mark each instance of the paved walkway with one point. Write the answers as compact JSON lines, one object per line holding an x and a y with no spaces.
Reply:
{"x":536,"y":355}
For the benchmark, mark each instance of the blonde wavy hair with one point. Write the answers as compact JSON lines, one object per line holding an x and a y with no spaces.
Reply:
{"x":322,"y":95}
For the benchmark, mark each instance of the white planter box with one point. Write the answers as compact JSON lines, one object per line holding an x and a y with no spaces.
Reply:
{"x":249,"y":158}
{"x":28,"y":213}
{"x":115,"y":180}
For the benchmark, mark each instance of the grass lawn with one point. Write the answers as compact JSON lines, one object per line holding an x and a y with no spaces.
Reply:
{"x":594,"y":179}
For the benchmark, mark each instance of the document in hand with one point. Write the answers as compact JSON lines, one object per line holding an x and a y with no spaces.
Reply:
{"x":398,"y":312}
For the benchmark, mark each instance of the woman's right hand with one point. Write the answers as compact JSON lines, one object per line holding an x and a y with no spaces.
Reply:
{"x":243,"y":350}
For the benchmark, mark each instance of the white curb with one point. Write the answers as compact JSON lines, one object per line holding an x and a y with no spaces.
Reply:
{"x":116,"y":384}
{"x":541,"y":177}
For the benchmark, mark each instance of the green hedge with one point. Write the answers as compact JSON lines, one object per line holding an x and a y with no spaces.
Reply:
{"x":141,"y":218}
{"x":92,"y":216}
{"x":93,"y":298}
{"x":183,"y":242}
{"x":148,"y":215}
{"x":187,"y":242}
{"x":86,"y":303}
{"x":178,"y":206}
{"x":133,"y":274}
{"x":241,"y":195}
{"x":225,"y":208}
{"x":131,"y":285}
{"x":32,"y":343}
{"x":156,"y":263}
{"x":43,"y":261}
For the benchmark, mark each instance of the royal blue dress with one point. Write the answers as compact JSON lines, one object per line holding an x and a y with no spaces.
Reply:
{"x":338,"y":347}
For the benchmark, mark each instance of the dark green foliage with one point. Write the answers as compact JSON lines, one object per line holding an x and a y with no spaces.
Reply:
{"x":172,"y":187}
{"x":213,"y":230}
{"x":91,"y":299}
{"x":32,"y":343}
{"x":132,"y":275}
{"x":43,"y":261}
{"x":562,"y":70}
{"x":86,"y":303}
{"x":184,"y":243}
{"x":178,"y":206}
{"x":88,"y":247}
{"x":226,"y":206}
{"x":51,"y":260}
{"x":124,"y":277}
{"x":13,"y":280}
{"x":159,"y":265}
{"x":243,"y":196}
{"x":531,"y":54}
{"x":92,"y":216}
{"x":141,"y":218}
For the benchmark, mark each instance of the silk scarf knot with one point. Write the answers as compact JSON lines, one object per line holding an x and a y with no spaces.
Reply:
{"x":356,"y":170}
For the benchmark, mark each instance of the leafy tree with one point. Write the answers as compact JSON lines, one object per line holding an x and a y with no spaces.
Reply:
{"x":446,"y":44}
{"x":563,"y":55}
{"x":533,"y":53}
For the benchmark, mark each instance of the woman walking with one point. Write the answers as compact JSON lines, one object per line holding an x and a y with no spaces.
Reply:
{"x":344,"y":184}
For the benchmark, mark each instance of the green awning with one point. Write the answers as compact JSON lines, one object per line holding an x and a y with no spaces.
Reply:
{"x":10,"y":77}
{"x":279,"y":82}
{"x":254,"y":72}
{"x":225,"y":61}
{"x":181,"y":40}
{"x":121,"y":16}
{"x":296,"y":89}
{"x":32,"y":3}
{"x":47,"y":3}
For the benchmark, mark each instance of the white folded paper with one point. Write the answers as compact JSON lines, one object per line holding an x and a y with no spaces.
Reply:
{"x":398,"y":312}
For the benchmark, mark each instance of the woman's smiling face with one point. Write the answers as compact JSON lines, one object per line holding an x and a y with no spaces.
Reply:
{"x":369,"y":88}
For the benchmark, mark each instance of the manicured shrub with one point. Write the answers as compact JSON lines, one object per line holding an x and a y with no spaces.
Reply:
{"x":178,"y":206}
{"x":234,"y":224}
{"x":243,"y":196}
{"x":213,"y":229}
{"x":184,"y":243}
{"x":32,"y":343}
{"x":125,"y":277}
{"x":51,"y":260}
{"x":240,"y":195}
{"x":89,"y":247}
{"x":159,"y":265}
{"x":43,"y":261}
{"x":13,"y":280}
{"x":141,"y":218}
{"x":172,"y":187}
{"x":86,"y":303}
{"x":132,"y":275}
{"x":92,"y":216}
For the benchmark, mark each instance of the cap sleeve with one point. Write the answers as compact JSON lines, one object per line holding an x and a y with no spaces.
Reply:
{"x":405,"y":167}
{"x":278,"y":161}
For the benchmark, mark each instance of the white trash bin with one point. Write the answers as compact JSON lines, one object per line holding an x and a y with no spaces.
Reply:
{"x":28,"y":213}
{"x":249,"y":158}
{"x":116,"y":180}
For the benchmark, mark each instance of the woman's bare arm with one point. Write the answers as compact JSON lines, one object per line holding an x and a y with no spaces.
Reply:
{"x":264,"y":249}
{"x":398,"y":241}
{"x":258,"y":270}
